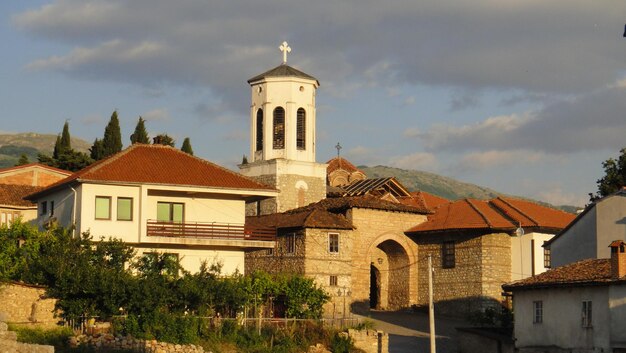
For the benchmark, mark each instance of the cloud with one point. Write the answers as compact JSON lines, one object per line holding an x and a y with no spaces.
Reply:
{"x":479,"y":161}
{"x":530,"y":46}
{"x":160,"y":114}
{"x":92,"y":119}
{"x":415,"y":161}
{"x":556,"y":196}
{"x":463,"y":100}
{"x":411,"y":132}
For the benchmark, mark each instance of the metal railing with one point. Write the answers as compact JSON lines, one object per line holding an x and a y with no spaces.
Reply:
{"x":212,"y":230}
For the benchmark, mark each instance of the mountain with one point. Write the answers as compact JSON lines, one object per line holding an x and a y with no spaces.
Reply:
{"x":12,"y":146}
{"x":448,"y":188}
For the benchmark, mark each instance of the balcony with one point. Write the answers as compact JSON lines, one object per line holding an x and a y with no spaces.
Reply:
{"x":214,"y":230}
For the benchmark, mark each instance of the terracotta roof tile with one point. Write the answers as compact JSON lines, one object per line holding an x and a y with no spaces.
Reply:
{"x":584,"y":272}
{"x":341,"y":163}
{"x":464,"y":214}
{"x":531,"y":214}
{"x":12,"y":195}
{"x":430,"y":201}
{"x":159,"y":164}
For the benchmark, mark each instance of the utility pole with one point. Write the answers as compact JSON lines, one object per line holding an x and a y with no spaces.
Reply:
{"x":431,"y":306}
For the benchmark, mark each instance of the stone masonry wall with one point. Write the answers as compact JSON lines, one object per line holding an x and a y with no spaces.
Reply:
{"x":474,"y":282}
{"x":289,"y":197}
{"x":21,"y":303}
{"x":370,"y":341}
{"x":379,"y":240}
{"x":109,"y":341}
{"x":277,"y":260}
{"x":8,"y":343}
{"x":321,"y":264}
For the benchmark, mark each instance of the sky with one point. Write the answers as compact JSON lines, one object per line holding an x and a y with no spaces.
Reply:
{"x":527,"y":97}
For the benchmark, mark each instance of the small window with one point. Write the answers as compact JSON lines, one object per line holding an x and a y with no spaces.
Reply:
{"x":170,"y":212}
{"x":269,"y":252}
{"x":52,"y":208}
{"x":103,"y":207}
{"x":279,"y":128}
{"x":586,"y":313}
{"x":301,"y":129}
{"x":447,"y":255}
{"x":547,"y":258}
{"x":124,"y":209}
{"x":333,"y":280}
{"x":537,"y":312}
{"x":259,"y":129}
{"x":333,"y":243}
{"x":290,"y":243}
{"x":44,"y":208}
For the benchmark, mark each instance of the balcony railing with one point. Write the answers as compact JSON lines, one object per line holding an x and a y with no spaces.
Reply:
{"x":212,"y":230}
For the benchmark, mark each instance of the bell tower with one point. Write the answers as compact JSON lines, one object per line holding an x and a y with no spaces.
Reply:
{"x":282,"y":137}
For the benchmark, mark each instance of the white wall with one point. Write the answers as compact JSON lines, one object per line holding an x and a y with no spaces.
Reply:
{"x":63,"y":208}
{"x":562,"y":310}
{"x":611,"y":223}
{"x":524,"y":268}
{"x":191,"y":259}
{"x":577,"y":243}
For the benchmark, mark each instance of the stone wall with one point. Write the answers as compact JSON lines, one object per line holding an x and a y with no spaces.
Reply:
{"x":370,"y":341}
{"x":129,"y":343}
{"x":380,"y":243}
{"x":8,"y":343}
{"x":482,"y":265}
{"x":277,"y":260}
{"x":289,"y":196}
{"x":24,"y":304}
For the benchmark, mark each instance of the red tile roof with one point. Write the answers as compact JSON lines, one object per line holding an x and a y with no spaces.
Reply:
{"x":160,"y":164}
{"x":39,"y":165}
{"x":503,"y":214}
{"x":429,"y":200}
{"x":12,"y":195}
{"x":341,"y":163}
{"x":584,"y":272}
{"x":328,"y":213}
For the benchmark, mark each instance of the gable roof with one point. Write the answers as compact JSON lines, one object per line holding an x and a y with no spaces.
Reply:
{"x":34,"y":166}
{"x":499,"y":214}
{"x":621,"y":193}
{"x":328,"y":213}
{"x":366,"y":186}
{"x":13,"y":195}
{"x":283,"y":70}
{"x":430,"y":201}
{"x":158,"y":164}
{"x":580,"y":273}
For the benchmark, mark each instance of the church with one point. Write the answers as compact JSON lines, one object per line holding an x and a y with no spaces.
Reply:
{"x":351,"y":234}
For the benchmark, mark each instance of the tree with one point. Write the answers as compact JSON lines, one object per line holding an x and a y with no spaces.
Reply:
{"x":140,"y":135}
{"x":57,"y":148}
{"x":187,"y":146}
{"x":112,"y":141}
{"x":164,"y":139}
{"x":97,"y":150}
{"x":64,"y":157}
{"x":614,"y":176}
{"x":23,"y":160}
{"x":65,"y":143}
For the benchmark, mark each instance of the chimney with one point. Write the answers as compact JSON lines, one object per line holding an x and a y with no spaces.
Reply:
{"x":618,"y":259}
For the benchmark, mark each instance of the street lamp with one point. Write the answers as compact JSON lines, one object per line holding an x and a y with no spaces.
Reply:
{"x":346,"y":292}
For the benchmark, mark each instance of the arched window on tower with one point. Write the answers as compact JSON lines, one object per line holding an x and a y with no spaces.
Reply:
{"x":259,"y":130}
{"x":279,"y":128}
{"x":301,"y":129}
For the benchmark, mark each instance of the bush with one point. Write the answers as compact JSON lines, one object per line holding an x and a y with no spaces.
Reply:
{"x":341,"y":344}
{"x":57,"y":336}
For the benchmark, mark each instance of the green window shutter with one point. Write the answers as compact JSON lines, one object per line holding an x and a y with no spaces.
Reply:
{"x":103,"y":207}
{"x":163,"y":212}
{"x":124,"y":209}
{"x":177,"y":212}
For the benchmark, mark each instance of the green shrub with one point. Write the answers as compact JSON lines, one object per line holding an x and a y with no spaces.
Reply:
{"x":341,"y":344}
{"x":57,"y":336}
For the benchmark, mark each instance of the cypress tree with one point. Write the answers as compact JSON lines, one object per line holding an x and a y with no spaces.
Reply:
{"x":140,"y":135}
{"x":187,"y":146}
{"x":23,"y":160}
{"x":164,"y":139}
{"x":65,"y":141}
{"x":57,"y":148}
{"x":112,"y":141}
{"x":96,"y":151}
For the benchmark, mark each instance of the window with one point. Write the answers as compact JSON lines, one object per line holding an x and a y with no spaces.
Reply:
{"x":301,"y":129}
{"x":51,"y":208}
{"x":333,"y":280}
{"x":259,"y":130}
{"x":44,"y":208}
{"x":333,"y":243}
{"x":447,"y":254}
{"x":103,"y":207}
{"x":537,"y":312}
{"x":170,"y":212}
{"x":290,"y":243}
{"x":586,"y":313}
{"x":269,"y":252}
{"x":279,"y":128}
{"x":124,"y":209}
{"x":547,"y":260}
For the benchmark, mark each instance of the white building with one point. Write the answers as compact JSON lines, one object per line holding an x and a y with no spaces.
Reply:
{"x":580,"y":307}
{"x":157,"y":198}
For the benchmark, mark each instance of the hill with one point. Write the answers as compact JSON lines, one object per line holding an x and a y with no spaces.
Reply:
{"x":448,"y":188}
{"x":12,"y":146}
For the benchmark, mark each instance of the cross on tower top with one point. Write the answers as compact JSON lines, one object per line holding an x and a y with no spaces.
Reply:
{"x":338,"y":147}
{"x":285,"y":48}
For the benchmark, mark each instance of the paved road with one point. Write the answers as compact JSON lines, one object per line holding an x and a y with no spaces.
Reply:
{"x":408,"y":331}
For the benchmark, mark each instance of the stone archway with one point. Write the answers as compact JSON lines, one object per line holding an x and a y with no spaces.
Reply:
{"x":390,"y":268}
